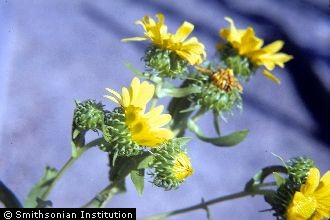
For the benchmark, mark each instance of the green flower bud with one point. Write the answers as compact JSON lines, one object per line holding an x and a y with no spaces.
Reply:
{"x":215,"y":95}
{"x":298,"y":168}
{"x":118,"y":135}
{"x":171,"y":165}
{"x":164,"y":63}
{"x":281,"y":199}
{"x":241,"y":66}
{"x":88,"y":115}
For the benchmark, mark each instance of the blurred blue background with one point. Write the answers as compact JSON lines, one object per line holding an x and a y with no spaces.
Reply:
{"x":53,"y":52}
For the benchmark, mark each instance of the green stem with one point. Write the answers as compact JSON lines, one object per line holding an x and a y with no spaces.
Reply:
{"x":102,"y":198}
{"x":68,"y":164}
{"x":203,"y":205}
{"x":155,"y":97}
{"x":199,"y":114}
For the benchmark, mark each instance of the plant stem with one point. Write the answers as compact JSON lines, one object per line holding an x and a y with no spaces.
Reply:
{"x":199,"y":114}
{"x":154,"y":99}
{"x":101,"y":199}
{"x":68,"y":164}
{"x":204,"y":205}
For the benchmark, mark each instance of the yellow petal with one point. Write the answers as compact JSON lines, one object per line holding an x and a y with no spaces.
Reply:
{"x":112,"y":99}
{"x":319,"y":216}
{"x":117,"y":98}
{"x":155,"y":111}
{"x":134,"y":89}
{"x":160,"y":120}
{"x":270,"y":76}
{"x":249,"y":42}
{"x":126,"y":98}
{"x":325,"y":180}
{"x":301,"y":207}
{"x":145,"y":94}
{"x":116,"y":94}
{"x":312,"y":182}
{"x":183,"y":32}
{"x":274,"y":47}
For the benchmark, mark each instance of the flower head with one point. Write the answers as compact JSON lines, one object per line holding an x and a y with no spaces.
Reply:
{"x":171,"y":165}
{"x":182,"y":166}
{"x":191,"y":49}
{"x":220,"y":91}
{"x":88,"y":115}
{"x":249,"y":45}
{"x":225,"y":80}
{"x":313,"y":199}
{"x":145,"y":128}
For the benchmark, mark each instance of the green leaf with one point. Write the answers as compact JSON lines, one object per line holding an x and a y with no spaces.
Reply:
{"x":261,"y":175}
{"x":222,"y":141}
{"x":77,"y":138}
{"x":137,"y":177}
{"x":177,"y":92}
{"x":181,"y":141}
{"x":8,"y":198}
{"x":280,"y":180}
{"x":216,"y":122}
{"x":176,"y":109}
{"x":40,"y":188}
{"x":135,"y":71}
{"x":144,"y":163}
{"x":124,"y":166}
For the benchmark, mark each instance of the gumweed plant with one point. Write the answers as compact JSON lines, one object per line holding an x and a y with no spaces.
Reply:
{"x":146,"y":141}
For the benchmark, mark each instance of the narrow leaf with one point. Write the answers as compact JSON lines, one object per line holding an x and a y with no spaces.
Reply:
{"x":40,"y":188}
{"x":216,"y":122}
{"x":145,"y":162}
{"x":137,"y":177}
{"x":135,"y":71}
{"x":222,"y":141}
{"x":124,"y":166}
{"x":8,"y":198}
{"x":178,"y":92}
{"x":261,"y":175}
{"x":278,"y":179}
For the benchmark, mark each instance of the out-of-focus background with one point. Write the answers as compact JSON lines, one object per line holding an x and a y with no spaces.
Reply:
{"x":53,"y":52}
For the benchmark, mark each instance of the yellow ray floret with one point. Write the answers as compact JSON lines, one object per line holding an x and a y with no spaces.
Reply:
{"x":249,"y":45}
{"x":182,"y":167}
{"x":313,"y":199}
{"x":191,"y":49}
{"x":145,"y":128}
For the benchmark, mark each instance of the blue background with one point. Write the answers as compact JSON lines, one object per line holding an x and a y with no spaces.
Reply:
{"x":53,"y":52}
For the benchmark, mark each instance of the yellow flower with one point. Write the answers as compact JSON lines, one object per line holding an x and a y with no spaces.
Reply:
{"x":145,"y":128}
{"x":250,"y":46}
{"x":182,"y":167}
{"x":190,"y":49}
{"x":313,"y":200}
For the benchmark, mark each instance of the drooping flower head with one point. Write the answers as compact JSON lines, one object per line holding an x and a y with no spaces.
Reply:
{"x":171,"y":164}
{"x":313,"y":199}
{"x":248,"y":45}
{"x":145,"y":127}
{"x":190,"y":49}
